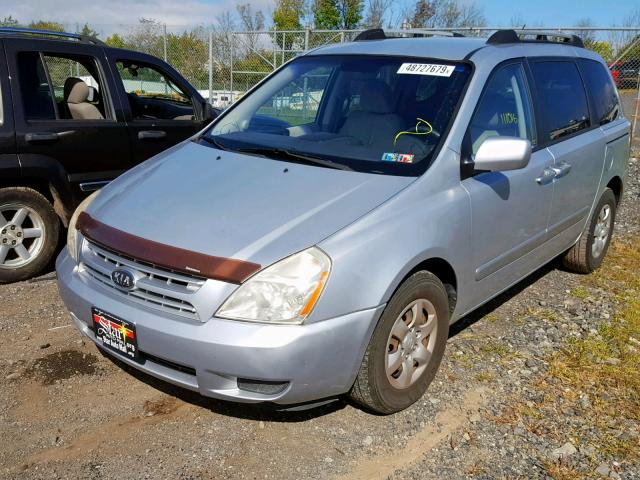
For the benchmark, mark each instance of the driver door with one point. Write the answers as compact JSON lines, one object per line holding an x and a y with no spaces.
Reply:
{"x":161,"y":108}
{"x":510,"y":209}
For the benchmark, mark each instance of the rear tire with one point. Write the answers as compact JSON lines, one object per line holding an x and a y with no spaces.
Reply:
{"x":29,"y":233}
{"x":412,"y":334}
{"x":589,"y":252}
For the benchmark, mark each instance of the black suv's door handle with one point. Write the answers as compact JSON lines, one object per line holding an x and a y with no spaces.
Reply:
{"x":42,"y":137}
{"x":151,"y":134}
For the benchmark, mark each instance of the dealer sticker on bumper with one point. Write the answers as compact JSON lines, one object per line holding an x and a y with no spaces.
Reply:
{"x":115,"y":333}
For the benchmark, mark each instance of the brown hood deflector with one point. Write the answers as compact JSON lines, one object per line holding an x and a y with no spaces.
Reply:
{"x":173,"y":258}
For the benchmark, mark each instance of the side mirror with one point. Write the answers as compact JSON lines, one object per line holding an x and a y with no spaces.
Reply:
{"x":502,"y":153}
{"x":210,"y":113}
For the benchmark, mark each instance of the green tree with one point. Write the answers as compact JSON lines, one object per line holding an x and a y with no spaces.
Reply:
{"x":350,"y":13}
{"x":115,"y":41}
{"x":601,"y":47}
{"x":287,"y":16}
{"x":87,"y":31}
{"x":326,"y":14}
{"x":44,"y":25}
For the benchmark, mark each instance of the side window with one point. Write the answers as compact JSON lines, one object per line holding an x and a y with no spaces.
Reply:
{"x":56,"y":87}
{"x":602,"y":90}
{"x":76,"y":87}
{"x":504,"y":108}
{"x":152,"y":94}
{"x":37,"y":99}
{"x":298,"y":103}
{"x":562,"y":94}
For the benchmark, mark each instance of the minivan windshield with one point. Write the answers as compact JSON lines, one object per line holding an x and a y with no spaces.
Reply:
{"x":379,"y":114}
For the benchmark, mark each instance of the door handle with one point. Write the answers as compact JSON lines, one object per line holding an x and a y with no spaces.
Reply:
{"x":151,"y":134}
{"x":548,"y":174}
{"x":41,"y":137}
{"x":561,"y":170}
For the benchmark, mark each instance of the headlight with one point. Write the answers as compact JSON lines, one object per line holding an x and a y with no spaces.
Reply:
{"x":72,"y":233}
{"x":285,"y":292}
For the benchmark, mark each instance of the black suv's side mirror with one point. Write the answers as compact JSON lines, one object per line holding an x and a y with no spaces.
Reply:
{"x":210,"y":113}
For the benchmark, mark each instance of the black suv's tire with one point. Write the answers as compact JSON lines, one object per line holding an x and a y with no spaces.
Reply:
{"x":29,"y":233}
{"x":380,"y":387}
{"x":587,"y":254}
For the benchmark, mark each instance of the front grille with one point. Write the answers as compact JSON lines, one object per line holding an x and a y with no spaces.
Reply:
{"x":157,"y":287}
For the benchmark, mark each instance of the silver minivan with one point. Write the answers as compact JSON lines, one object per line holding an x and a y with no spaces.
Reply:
{"x":320,"y":236}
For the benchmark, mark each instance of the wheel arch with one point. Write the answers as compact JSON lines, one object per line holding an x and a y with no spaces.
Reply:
{"x":441,"y":268}
{"x":617,"y":186}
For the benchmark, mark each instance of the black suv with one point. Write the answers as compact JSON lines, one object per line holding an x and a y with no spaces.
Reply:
{"x":74,"y":114}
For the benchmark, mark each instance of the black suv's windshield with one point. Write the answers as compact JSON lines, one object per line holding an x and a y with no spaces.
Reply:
{"x":373,"y":114}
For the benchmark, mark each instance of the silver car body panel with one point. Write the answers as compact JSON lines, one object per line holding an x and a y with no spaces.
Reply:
{"x":492,"y":229}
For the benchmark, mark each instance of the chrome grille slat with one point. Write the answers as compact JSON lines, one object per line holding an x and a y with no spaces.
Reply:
{"x":158,"y":288}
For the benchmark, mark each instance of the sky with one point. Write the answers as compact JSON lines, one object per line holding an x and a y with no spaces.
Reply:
{"x":191,"y":12}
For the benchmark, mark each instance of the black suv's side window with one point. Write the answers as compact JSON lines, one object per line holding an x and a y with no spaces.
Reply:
{"x":504,"y":109}
{"x":60,"y":87}
{"x":37,"y":99}
{"x":564,"y":99}
{"x":602,"y":90}
{"x":153,"y":95}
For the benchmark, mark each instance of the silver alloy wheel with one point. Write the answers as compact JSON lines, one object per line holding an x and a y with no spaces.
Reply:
{"x":21,"y":235}
{"x":601,"y":231}
{"x":411,"y":343}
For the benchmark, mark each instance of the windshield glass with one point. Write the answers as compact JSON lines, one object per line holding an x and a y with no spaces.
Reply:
{"x":376,"y":114}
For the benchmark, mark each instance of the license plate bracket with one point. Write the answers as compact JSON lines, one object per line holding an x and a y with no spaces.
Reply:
{"x":115,"y":333}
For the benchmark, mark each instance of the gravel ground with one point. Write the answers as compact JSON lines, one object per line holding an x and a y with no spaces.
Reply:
{"x":66,"y":411}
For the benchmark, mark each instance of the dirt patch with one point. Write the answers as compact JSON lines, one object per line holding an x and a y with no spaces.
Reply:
{"x":61,"y":366}
{"x":163,"y":406}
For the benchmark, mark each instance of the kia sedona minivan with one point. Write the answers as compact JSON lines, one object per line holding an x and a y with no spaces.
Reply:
{"x":320,"y":236}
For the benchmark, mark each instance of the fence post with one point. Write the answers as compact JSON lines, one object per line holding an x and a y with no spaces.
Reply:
{"x":306,"y":40}
{"x":210,"y":67}
{"x":164,"y":40}
{"x":233,"y":42}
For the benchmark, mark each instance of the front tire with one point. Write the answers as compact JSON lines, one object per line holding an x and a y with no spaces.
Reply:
{"x":589,"y":252}
{"x":406,"y":347}
{"x":29,"y":233}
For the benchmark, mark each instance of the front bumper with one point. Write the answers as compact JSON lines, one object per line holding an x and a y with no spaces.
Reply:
{"x":312,"y":361}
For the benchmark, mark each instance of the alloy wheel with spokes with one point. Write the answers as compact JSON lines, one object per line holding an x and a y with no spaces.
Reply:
{"x":29,"y":233}
{"x":411,"y":343}
{"x":601,"y":231}
{"x":21,"y":235}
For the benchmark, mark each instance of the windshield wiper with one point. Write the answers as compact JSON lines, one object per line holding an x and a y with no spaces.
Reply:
{"x":212,"y":140}
{"x":283,"y":154}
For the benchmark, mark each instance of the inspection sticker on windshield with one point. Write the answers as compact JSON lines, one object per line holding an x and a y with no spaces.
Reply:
{"x":426,"y":69}
{"x":397,"y":157}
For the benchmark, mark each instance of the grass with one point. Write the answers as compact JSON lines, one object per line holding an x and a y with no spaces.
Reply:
{"x":580,"y":292}
{"x":606,"y":367}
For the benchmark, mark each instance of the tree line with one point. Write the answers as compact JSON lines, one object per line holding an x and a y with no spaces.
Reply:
{"x":188,"y":49}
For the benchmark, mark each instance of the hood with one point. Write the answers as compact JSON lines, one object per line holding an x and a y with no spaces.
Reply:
{"x":238,"y":206}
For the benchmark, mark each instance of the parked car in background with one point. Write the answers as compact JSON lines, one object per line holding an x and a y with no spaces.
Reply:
{"x":326,"y":251}
{"x":75,"y":115}
{"x":626,"y":74}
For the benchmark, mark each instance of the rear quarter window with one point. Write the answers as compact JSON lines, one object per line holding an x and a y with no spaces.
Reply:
{"x":601,"y":89}
{"x":562,"y":95}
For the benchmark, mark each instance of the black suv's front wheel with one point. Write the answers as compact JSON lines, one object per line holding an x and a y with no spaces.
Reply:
{"x":29,"y":233}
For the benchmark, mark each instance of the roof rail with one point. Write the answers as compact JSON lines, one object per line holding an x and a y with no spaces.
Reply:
{"x":380,"y":34}
{"x":501,"y":37}
{"x":50,"y":33}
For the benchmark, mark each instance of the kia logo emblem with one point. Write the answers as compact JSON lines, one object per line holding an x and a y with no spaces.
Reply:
{"x":123,"y":279}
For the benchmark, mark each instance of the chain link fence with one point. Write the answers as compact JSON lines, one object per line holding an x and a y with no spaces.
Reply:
{"x":223,"y":64}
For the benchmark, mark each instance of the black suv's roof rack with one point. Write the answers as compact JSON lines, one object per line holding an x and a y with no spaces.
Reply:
{"x":380,"y":34}
{"x":50,"y":33}
{"x":545,"y":36}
